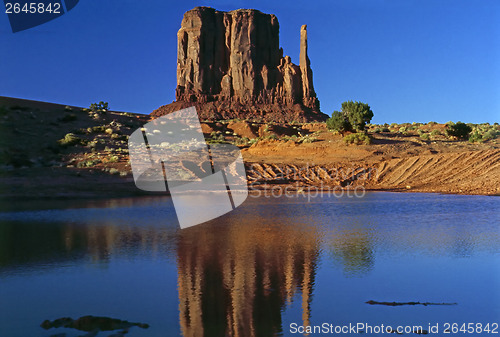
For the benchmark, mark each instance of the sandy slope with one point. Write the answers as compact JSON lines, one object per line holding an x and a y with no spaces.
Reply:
{"x":34,"y":165}
{"x":447,"y":167}
{"x":475,"y":172}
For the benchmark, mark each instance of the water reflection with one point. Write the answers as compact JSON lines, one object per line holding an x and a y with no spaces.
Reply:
{"x":237,"y":281}
{"x":353,"y":250}
{"x":252,"y":271}
{"x":28,"y":246}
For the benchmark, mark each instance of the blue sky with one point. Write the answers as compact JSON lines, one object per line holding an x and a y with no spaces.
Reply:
{"x":410,"y":60}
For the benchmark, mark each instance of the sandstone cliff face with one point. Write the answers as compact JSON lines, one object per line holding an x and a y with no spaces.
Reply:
{"x":230,"y":65}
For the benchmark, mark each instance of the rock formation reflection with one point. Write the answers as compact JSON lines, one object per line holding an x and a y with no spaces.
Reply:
{"x":236,"y":281}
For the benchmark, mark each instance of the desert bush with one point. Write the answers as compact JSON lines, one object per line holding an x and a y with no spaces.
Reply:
{"x":352,"y":117}
{"x":357,"y":138}
{"x":253,"y":141}
{"x":243,"y":141}
{"x":490,"y":134}
{"x":68,"y":108}
{"x":479,"y":135}
{"x":425,"y":136}
{"x":216,"y":138}
{"x":100,"y":108}
{"x":358,"y":114}
{"x":307,"y":139}
{"x":98,"y":128}
{"x":113,"y":159}
{"x":70,"y":139}
{"x":435,"y":133}
{"x":459,"y":130}
{"x":475,"y":137}
{"x":88,"y":163}
{"x":338,"y":123}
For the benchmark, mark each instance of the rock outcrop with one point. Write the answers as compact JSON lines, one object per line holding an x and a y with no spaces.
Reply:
{"x":230,"y":65}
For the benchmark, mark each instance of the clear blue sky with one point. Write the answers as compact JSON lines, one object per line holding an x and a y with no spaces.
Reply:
{"x":411,"y":60}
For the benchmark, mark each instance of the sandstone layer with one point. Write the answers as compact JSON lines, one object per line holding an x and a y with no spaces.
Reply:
{"x":230,"y":65}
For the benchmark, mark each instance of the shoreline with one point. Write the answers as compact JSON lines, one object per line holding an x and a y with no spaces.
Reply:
{"x":124,"y":188}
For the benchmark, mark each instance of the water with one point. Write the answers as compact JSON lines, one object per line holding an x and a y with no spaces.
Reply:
{"x":266,"y":269}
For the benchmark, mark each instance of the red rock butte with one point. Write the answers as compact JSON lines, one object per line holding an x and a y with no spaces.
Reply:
{"x":230,"y":65}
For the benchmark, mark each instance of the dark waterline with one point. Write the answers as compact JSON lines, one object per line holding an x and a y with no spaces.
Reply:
{"x":253,"y":272}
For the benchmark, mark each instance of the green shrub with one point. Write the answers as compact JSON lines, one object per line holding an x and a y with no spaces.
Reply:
{"x":425,"y":136}
{"x":358,"y":114}
{"x":307,"y":139}
{"x":338,"y":123}
{"x":88,"y":163}
{"x":98,"y":128}
{"x":490,"y":134}
{"x":271,"y":136}
{"x":475,"y":137}
{"x":242,"y":141}
{"x":70,"y":139}
{"x":216,"y":138}
{"x":357,"y":138}
{"x":435,"y":133}
{"x":100,"y":107}
{"x":352,"y":117}
{"x":459,"y":130}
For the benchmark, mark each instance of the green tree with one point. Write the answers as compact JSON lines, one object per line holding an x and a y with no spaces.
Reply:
{"x":338,"y":122}
{"x":358,"y":114}
{"x":353,"y":117}
{"x":459,"y":130}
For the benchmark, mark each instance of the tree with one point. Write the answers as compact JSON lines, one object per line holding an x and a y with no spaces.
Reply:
{"x":358,"y":114}
{"x":459,"y":130}
{"x":353,"y":117}
{"x":338,"y":123}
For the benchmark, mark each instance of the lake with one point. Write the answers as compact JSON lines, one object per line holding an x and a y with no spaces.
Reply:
{"x":272,"y":267}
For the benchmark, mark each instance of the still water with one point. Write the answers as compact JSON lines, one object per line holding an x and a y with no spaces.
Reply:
{"x":265,"y":269}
